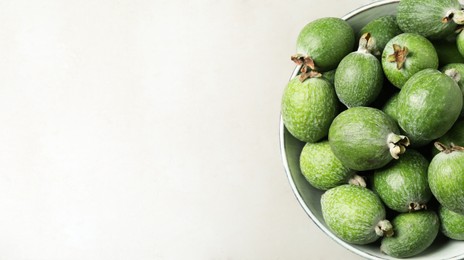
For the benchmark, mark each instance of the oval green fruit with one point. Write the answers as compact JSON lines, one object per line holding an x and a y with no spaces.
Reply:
{"x":405,"y":55}
{"x":323,"y":170}
{"x":359,"y":76}
{"x":414,"y":233}
{"x":308,"y":108}
{"x":446,"y":177}
{"x":429,"y":18}
{"x":402,"y":184}
{"x":326,"y":41}
{"x":365,"y":138}
{"x":451,"y":223}
{"x":382,"y":30}
{"x":428,"y":106}
{"x":354,"y":214}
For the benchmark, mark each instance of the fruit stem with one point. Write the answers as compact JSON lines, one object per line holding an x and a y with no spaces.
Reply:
{"x":415,"y":206}
{"x":384,"y":228}
{"x":308,"y":68}
{"x":397,"y":144}
{"x":454,"y":74}
{"x":366,"y":43}
{"x":357,"y":180}
{"x":458,"y":16}
{"x":445,"y":149}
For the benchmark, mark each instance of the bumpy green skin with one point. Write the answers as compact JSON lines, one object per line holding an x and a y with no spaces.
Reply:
{"x":460,"y":68}
{"x":455,"y":135}
{"x":424,"y":17}
{"x":422,"y":55}
{"x":308,"y":108}
{"x":390,"y":107}
{"x":358,"y":137}
{"x":451,"y":223}
{"x":358,"y":79}
{"x":428,"y":106}
{"x":414,"y":232}
{"x":321,"y":168}
{"x":382,"y":30}
{"x":403,"y":181}
{"x":352,"y":213}
{"x":446,"y":180}
{"x":447,"y":52}
{"x":326,"y":41}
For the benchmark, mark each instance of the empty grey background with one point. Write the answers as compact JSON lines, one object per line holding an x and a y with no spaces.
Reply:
{"x":137,"y":129}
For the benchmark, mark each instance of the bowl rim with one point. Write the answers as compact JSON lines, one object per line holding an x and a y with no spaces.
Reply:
{"x":295,"y":190}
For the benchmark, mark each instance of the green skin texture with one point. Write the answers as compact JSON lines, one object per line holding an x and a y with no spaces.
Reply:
{"x":460,"y":68}
{"x":358,"y":137}
{"x":321,"y":168}
{"x":422,"y":55}
{"x":390,"y":107}
{"x":424,"y":17}
{"x":403,"y":181}
{"x":382,"y":30}
{"x":326,"y":41}
{"x":352,"y":213}
{"x":414,"y":232}
{"x":460,"y":43}
{"x":428,"y":106}
{"x":447,"y":52}
{"x":446,"y":180}
{"x":308,"y":108}
{"x":358,"y":79}
{"x":330,"y":76}
{"x":455,"y":135}
{"x":452,"y":223}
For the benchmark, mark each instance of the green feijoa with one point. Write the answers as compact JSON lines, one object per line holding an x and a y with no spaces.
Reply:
{"x":451,"y":223}
{"x":447,"y":51}
{"x":325,"y":42}
{"x":355,"y":214}
{"x":450,"y":70}
{"x":359,"y":76}
{"x":308,"y":108}
{"x":381,"y":29}
{"x":390,"y":107}
{"x":402,"y":184}
{"x":454,"y":136}
{"x":414,"y":233}
{"x":446,"y":177}
{"x":405,"y":55}
{"x":365,"y":138}
{"x":428,"y":105}
{"x":323,"y":170}
{"x":429,"y":18}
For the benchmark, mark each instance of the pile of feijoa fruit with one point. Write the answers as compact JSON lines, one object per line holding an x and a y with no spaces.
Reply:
{"x":381,"y":114}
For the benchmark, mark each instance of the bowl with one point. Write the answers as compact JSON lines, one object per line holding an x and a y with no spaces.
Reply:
{"x":309,"y":197}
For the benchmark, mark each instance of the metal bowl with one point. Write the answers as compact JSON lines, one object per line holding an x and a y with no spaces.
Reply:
{"x":309,"y":197}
